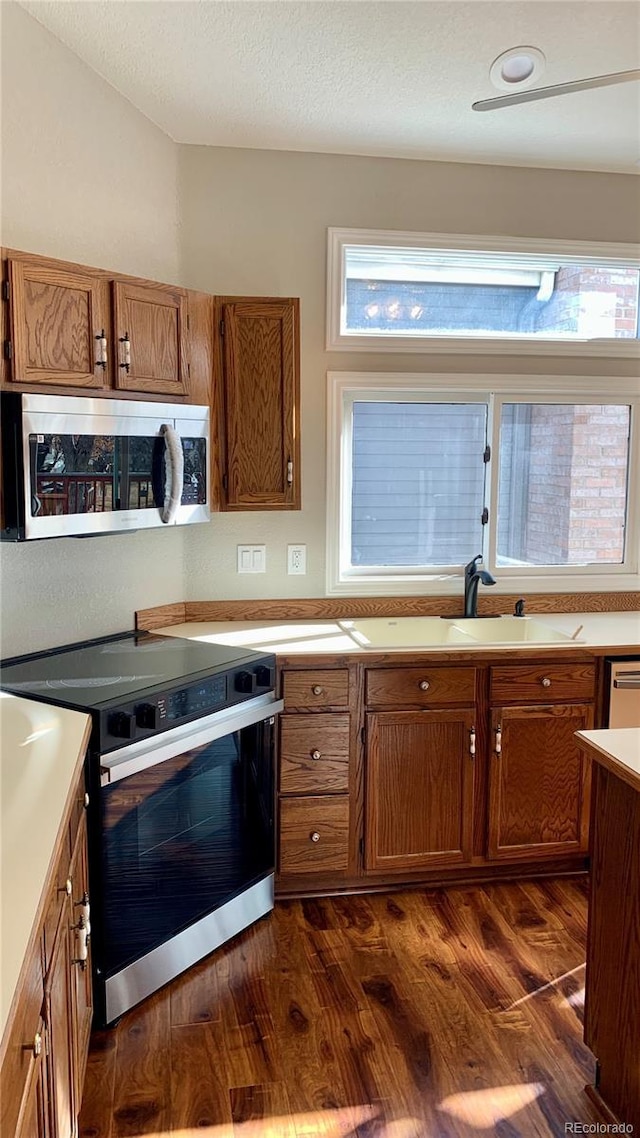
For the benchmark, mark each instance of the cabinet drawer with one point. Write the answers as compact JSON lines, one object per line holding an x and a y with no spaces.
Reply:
{"x":542,"y":682}
{"x":321,"y":688}
{"x":314,"y":834}
{"x":314,"y":754}
{"x":425,"y":686}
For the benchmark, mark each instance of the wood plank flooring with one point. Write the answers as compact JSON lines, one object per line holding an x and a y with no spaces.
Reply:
{"x":425,"y":1014}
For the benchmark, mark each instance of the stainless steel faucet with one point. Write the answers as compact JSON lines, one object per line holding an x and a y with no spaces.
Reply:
{"x":472,"y":578}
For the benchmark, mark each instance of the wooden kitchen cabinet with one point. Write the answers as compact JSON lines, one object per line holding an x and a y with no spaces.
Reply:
{"x":419,"y":789}
{"x":75,"y":327}
{"x":57,"y":318}
{"x":538,"y":778}
{"x":259,"y":403}
{"x":315,"y":780}
{"x":46,"y":1042}
{"x":150,"y":330}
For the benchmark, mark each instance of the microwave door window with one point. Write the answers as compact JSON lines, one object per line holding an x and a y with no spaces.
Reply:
{"x":194,"y":490}
{"x":142,"y":465}
{"x":73,"y":474}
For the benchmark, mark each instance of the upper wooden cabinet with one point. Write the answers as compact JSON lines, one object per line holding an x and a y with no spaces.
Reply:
{"x":59,"y":326}
{"x":72,"y":326}
{"x":150,"y":323}
{"x":260,"y":446}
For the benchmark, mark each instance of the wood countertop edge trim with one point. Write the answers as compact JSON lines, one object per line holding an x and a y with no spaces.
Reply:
{"x":36,"y":927}
{"x":606,"y":760}
{"x":340,"y":608}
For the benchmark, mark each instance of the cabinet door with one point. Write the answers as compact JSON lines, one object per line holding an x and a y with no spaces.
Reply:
{"x":150,"y":335}
{"x":419,"y":789}
{"x":61,"y":1018}
{"x":57,"y":318}
{"x":261,"y":397}
{"x":34,"y":1117}
{"x":538,"y":781}
{"x":83,"y":998}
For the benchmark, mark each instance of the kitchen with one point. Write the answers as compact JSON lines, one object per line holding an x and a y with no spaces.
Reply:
{"x":239,"y":222}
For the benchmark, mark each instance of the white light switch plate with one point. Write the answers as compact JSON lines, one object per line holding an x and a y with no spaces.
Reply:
{"x":296,"y":559}
{"x":252,"y":559}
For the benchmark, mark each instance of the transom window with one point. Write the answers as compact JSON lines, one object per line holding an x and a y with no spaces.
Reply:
{"x":412,"y":292}
{"x":421,"y":480}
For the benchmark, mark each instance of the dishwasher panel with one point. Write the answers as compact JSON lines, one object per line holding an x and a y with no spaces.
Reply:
{"x":624,"y":693}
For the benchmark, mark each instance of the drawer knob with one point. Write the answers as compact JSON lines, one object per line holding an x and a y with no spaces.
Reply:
{"x":546,"y":682}
{"x":314,"y":836}
{"x":85,"y":801}
{"x":67,"y":887}
{"x":316,"y":755}
{"x":424,"y":685}
{"x":316,"y":689}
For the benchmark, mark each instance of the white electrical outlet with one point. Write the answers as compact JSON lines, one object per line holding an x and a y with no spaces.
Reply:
{"x":252,"y":559}
{"x":296,"y":559}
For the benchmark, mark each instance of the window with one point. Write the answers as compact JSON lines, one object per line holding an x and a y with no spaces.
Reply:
{"x":415,"y":292}
{"x":422,"y":479}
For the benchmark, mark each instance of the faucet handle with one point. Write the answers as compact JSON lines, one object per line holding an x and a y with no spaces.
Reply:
{"x":518,"y":609}
{"x":471,"y":567}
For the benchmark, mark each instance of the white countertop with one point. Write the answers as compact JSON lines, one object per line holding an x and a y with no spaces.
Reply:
{"x":40,"y":750}
{"x":618,"y":750}
{"x":618,"y":631}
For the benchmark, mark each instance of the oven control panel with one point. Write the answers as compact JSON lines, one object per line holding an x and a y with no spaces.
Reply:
{"x":157,"y":712}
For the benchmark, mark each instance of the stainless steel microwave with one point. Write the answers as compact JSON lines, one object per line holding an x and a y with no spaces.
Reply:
{"x":81,"y":466}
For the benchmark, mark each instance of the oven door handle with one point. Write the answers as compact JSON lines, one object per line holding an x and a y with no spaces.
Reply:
{"x":150,"y":752}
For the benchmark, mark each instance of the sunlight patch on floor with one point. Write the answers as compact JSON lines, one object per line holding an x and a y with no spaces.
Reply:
{"x":340,"y":1123}
{"x":484,"y":1109}
{"x":546,"y":987}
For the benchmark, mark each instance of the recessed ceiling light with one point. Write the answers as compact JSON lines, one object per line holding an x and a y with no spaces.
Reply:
{"x":517,"y":67}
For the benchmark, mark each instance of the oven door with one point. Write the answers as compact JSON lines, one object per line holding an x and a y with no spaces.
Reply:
{"x":100,"y":466}
{"x":187,"y":834}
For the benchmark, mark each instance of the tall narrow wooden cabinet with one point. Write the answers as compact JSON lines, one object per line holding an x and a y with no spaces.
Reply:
{"x":259,"y":409}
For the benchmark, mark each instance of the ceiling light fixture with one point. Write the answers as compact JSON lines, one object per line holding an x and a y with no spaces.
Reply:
{"x":517,"y":68}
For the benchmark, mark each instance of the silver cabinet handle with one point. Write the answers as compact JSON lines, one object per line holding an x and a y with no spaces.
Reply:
{"x":314,"y":836}
{"x":472,"y":742}
{"x":498,"y":745}
{"x":424,"y":685}
{"x":316,"y":755}
{"x":67,"y":887}
{"x":627,"y":683}
{"x":85,"y":801}
{"x":546,"y":682}
{"x":101,"y":341}
{"x":316,"y":689}
{"x":289,"y":472}
{"x":126,"y":351}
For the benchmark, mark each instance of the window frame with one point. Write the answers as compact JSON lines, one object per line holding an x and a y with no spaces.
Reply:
{"x":345,"y":388}
{"x":536,"y":251}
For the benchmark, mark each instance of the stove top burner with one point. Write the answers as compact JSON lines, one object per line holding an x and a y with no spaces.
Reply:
{"x":103,"y":673}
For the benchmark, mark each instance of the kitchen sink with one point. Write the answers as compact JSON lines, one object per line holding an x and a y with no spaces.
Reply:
{"x":406,"y":632}
{"x":378,"y":633}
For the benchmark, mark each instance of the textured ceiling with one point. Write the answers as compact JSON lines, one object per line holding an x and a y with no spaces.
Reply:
{"x":391,"y":78}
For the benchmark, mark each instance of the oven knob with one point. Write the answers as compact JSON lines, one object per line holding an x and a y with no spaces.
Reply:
{"x":147,"y":715}
{"x":121,"y":725}
{"x":245,"y":681}
{"x":264,"y":676}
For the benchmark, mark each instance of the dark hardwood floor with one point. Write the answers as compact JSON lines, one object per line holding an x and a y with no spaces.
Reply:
{"x":436,"y":1013}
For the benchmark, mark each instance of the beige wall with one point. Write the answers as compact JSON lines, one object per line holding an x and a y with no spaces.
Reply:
{"x":84,"y":177}
{"x":256,"y":222}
